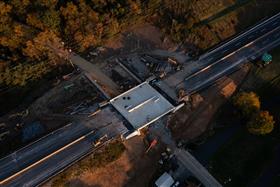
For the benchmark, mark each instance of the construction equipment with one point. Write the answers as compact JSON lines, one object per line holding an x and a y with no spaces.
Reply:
{"x":152,"y":144}
{"x":100,"y":140}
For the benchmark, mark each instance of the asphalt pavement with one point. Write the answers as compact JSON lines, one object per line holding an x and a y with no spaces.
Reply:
{"x":41,"y":160}
{"x":231,"y":62}
{"x":218,"y":62}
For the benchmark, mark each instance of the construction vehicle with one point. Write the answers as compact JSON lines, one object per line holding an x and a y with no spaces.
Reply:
{"x":100,"y":140}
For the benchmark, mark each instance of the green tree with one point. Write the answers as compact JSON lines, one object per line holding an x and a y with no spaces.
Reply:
{"x":261,"y":123}
{"x":247,"y":102}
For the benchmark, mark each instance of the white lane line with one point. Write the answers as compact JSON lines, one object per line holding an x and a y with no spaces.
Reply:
{"x":43,"y":159}
{"x":239,"y":36}
{"x":237,"y":44}
{"x":226,"y":50}
{"x":251,"y":36}
{"x":247,"y":45}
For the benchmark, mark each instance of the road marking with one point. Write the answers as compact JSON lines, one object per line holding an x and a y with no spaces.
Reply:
{"x":43,"y":159}
{"x":209,"y":59}
{"x":228,"y":55}
{"x":237,"y":44}
{"x":241,"y":35}
{"x":224,"y":51}
{"x":248,"y":44}
{"x":251,"y":36}
{"x":263,"y":29}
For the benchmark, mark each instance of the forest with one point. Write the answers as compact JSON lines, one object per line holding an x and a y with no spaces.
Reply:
{"x":31,"y":32}
{"x":34,"y":34}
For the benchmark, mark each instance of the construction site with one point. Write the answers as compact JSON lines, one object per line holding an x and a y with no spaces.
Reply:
{"x":115,"y":99}
{"x":133,"y":97}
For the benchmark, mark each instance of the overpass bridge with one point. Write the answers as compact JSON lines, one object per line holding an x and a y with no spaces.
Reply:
{"x":223,"y":60}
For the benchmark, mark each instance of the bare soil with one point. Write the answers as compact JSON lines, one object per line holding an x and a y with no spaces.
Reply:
{"x":192,"y":121}
{"x":133,"y":168}
{"x":139,"y":38}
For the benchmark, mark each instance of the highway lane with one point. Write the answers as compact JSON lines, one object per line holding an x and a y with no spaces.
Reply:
{"x":23,"y":158}
{"x":223,"y":50}
{"x":231,"y":62}
{"x":242,"y":39}
{"x":54,"y":164}
{"x":29,"y":154}
{"x":44,"y":147}
{"x":196,"y":168}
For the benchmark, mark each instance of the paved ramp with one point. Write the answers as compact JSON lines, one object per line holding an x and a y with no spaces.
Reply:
{"x":196,"y":168}
{"x":94,"y":71}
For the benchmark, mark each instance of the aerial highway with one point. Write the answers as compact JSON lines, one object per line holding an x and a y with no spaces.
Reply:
{"x":196,"y":168}
{"x":219,"y":61}
{"x":52,"y":163}
{"x":232,"y":61}
{"x":42,"y":159}
{"x":26,"y":156}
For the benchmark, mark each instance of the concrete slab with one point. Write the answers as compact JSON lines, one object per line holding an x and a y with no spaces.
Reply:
{"x":142,"y":105}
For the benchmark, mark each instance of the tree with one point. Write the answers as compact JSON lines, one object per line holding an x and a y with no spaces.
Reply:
{"x":47,"y":3}
{"x":261,"y":123}
{"x":20,"y":7}
{"x":82,"y":24}
{"x":43,"y":15}
{"x":46,"y":44}
{"x":22,"y":73}
{"x":13,"y":34}
{"x":33,"y":20}
{"x":135,"y":6}
{"x":51,"y":19}
{"x":247,"y":102}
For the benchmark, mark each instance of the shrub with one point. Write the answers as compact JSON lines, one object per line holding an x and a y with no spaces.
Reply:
{"x":261,"y":123}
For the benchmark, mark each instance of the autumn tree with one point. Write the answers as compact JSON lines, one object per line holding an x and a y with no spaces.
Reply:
{"x":20,"y":7}
{"x":135,"y":6}
{"x":22,"y":73}
{"x":45,"y":16}
{"x":247,"y":102}
{"x":13,"y":34}
{"x":46,"y":45}
{"x":47,"y":3}
{"x":261,"y":123}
